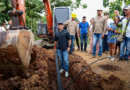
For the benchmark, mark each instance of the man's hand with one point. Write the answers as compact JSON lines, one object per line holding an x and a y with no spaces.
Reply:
{"x":68,"y":49}
{"x":55,"y":49}
{"x":102,"y":36}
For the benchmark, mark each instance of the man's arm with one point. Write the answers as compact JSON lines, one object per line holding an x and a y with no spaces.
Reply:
{"x":104,"y":27}
{"x":68,"y":49}
{"x":66,"y":23}
{"x":93,"y":26}
{"x":69,"y":42}
{"x":55,"y":43}
{"x":88,"y":30}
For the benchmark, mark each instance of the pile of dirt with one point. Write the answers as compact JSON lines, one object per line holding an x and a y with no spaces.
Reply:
{"x":42,"y":75}
{"x":109,"y":67}
{"x":89,"y":80}
{"x":9,"y":54}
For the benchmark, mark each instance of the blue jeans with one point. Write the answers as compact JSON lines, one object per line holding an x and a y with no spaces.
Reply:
{"x":72,"y":43}
{"x":83,"y":37}
{"x":95,"y":39}
{"x":64,"y":59}
{"x":105,"y":44}
{"x":125,"y":43}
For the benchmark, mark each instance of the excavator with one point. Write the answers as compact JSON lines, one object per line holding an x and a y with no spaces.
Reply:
{"x":16,"y":43}
{"x":47,"y":31}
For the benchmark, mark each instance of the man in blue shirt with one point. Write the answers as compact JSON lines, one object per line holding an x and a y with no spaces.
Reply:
{"x":83,"y":29}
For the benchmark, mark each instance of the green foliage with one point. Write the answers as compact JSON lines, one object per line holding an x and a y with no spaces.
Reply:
{"x":115,"y":5}
{"x":5,"y":6}
{"x":34,"y":10}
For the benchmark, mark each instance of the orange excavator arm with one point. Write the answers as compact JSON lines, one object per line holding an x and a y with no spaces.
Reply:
{"x":49,"y":16}
{"x":19,"y":5}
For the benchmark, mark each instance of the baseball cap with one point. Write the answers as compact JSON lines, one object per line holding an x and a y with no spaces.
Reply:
{"x":127,"y":7}
{"x":60,"y":22}
{"x":100,"y":9}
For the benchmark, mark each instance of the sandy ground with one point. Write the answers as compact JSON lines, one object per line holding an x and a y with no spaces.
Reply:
{"x":106,"y":67}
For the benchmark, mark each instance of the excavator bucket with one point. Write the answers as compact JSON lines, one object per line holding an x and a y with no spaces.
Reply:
{"x":15,"y":52}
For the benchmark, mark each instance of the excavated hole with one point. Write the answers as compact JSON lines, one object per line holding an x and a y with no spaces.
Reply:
{"x":109,"y":67}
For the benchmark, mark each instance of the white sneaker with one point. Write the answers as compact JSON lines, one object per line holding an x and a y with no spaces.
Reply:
{"x":66,"y":74}
{"x":109,"y":56}
{"x":112,"y":58}
{"x":61,"y":70}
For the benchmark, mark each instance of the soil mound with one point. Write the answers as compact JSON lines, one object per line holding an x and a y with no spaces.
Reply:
{"x":42,"y":75}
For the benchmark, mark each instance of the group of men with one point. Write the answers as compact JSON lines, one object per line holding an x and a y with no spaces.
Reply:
{"x":65,"y":38}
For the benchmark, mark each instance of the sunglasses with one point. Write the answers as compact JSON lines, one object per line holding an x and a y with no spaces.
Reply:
{"x":125,"y":10}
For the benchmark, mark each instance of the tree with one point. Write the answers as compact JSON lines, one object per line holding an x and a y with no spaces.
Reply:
{"x":115,"y":5}
{"x":5,"y":6}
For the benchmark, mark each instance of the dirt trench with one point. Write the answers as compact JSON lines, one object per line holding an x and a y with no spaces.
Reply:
{"x":42,"y":75}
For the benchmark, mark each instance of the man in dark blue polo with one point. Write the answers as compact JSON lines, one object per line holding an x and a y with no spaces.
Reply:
{"x":62,"y":37}
{"x":83,"y":29}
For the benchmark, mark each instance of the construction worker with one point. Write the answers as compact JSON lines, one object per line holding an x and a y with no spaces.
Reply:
{"x":72,"y":28}
{"x":62,"y":36}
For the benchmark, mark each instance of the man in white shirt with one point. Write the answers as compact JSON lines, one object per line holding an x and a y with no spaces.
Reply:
{"x":105,"y":44}
{"x":126,"y":42}
{"x":3,"y":27}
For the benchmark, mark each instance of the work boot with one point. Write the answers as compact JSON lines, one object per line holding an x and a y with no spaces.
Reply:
{"x":118,"y":56}
{"x":71,"y":53}
{"x":61,"y":70}
{"x":120,"y":59}
{"x":92,"y":57}
{"x":85,"y":50}
{"x":66,"y":74}
{"x":78,"y":49}
{"x":126,"y":59}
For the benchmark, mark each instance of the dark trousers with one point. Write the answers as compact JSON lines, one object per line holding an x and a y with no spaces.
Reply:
{"x":83,"y":37}
{"x":105,"y":44}
{"x":77,"y":40}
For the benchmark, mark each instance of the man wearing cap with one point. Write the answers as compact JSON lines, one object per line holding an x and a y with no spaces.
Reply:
{"x":72,"y":28}
{"x":62,"y":40}
{"x":126,"y":42}
{"x":99,"y":29}
{"x":3,"y":27}
{"x":83,"y":29}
